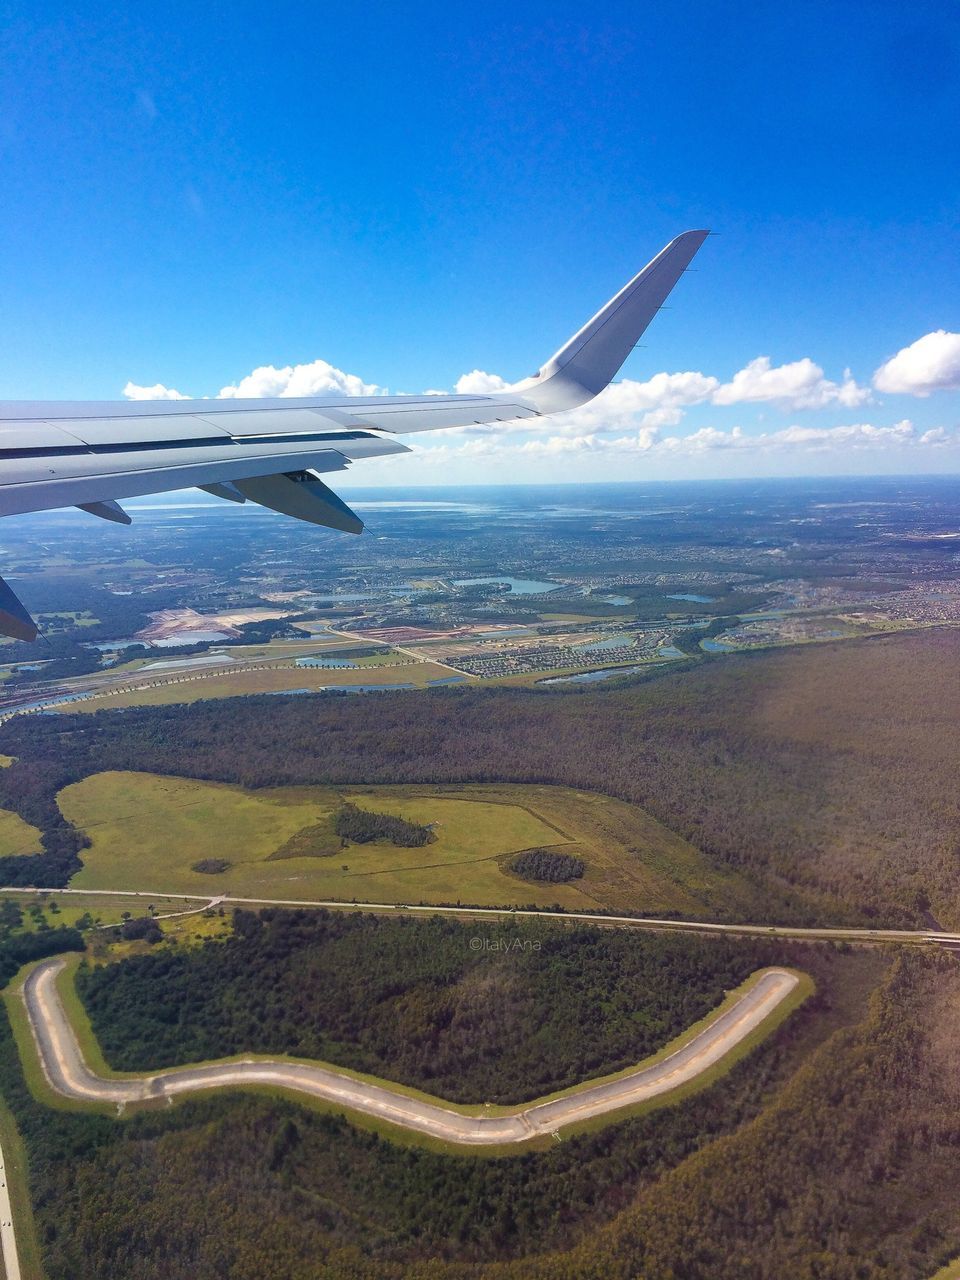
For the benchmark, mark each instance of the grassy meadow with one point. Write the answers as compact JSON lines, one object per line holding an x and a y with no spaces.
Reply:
{"x":149,"y":831}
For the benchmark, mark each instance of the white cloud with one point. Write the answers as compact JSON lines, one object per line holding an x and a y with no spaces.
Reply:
{"x":315,"y":379}
{"x":649,"y":442}
{"x":798,"y":385}
{"x":478,"y":383}
{"x":157,"y":392}
{"x":658,"y":402}
{"x":932,"y":363}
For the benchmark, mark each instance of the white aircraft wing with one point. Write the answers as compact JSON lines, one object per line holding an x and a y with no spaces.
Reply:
{"x":273,"y":452}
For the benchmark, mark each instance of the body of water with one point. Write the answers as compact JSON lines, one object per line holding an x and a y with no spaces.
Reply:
{"x":590,"y":677}
{"x":519,"y":586}
{"x":694,"y":599}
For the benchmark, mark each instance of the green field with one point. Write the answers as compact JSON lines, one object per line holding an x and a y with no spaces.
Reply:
{"x":148,"y":831}
{"x":187,"y":686}
{"x":17,"y":836}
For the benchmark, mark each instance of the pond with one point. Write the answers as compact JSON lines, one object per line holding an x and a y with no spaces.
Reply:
{"x":590,"y":677}
{"x":519,"y":586}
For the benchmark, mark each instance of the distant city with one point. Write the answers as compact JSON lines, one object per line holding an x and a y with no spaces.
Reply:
{"x":516,"y":585}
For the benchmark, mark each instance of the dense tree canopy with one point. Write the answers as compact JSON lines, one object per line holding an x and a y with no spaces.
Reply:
{"x":823,"y":772}
{"x":543,"y":864}
{"x":412,"y":1000}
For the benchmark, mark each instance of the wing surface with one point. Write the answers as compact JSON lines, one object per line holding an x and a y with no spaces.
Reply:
{"x":273,"y":451}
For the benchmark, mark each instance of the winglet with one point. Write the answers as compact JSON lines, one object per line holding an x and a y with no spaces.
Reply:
{"x":588,"y":362}
{"x":14,"y":619}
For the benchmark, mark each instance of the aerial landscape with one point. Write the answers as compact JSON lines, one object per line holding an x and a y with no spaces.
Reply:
{"x":468,"y":813}
{"x":205,"y":740}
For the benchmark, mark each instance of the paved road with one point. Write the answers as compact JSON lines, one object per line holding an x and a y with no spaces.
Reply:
{"x":8,"y":1240}
{"x":825,"y":934}
{"x":68,"y":1073}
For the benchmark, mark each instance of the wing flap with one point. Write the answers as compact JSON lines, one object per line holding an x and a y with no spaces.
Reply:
{"x":303,"y":495}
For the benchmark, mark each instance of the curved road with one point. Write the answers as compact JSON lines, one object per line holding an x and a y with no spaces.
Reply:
{"x":67,"y":1072}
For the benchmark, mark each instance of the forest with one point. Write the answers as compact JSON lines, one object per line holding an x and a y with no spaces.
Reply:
{"x":410,"y":1000}
{"x":825,"y":773}
{"x":828,"y":1152}
{"x":545,"y":865}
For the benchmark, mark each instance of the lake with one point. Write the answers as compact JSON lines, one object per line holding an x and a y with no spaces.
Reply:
{"x":520,"y":586}
{"x":590,"y":677}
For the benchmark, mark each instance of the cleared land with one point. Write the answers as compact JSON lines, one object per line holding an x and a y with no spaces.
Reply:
{"x":68,"y":1074}
{"x":148,"y":831}
{"x":17,"y":836}
{"x":183,"y":687}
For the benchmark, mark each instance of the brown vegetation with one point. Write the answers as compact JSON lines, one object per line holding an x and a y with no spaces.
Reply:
{"x":826,"y":773}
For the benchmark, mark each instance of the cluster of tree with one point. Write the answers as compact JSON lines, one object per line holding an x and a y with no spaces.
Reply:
{"x":543,"y":864}
{"x":212,"y":866}
{"x":11,"y":916}
{"x":839,"y":806}
{"x":29,"y":787}
{"x":18,"y":949}
{"x":688,"y":640}
{"x":139,"y":929}
{"x":410,"y":999}
{"x":362,"y":826}
{"x":837,"y":1159}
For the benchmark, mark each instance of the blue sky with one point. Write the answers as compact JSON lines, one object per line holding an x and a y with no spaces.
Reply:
{"x":398,"y":195}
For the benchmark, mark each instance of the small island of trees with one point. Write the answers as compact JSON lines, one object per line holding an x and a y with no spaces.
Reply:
{"x":361,"y":826}
{"x":542,"y":864}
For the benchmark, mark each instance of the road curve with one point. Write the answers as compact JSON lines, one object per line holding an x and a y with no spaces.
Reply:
{"x":68,"y":1074}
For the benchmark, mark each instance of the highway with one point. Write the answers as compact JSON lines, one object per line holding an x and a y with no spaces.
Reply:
{"x":69,"y":1075}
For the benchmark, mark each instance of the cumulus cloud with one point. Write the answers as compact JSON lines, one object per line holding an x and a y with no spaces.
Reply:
{"x":318,"y":378}
{"x":658,"y":402}
{"x":932,"y":363}
{"x":478,"y":383}
{"x":798,"y":385}
{"x":157,"y":392}
{"x":650,"y":442}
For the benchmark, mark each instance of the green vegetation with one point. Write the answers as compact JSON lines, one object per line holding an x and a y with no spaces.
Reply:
{"x":541,"y":864}
{"x":167,"y":690}
{"x":362,"y":826}
{"x":211,"y":866}
{"x":411,"y":1000}
{"x":820,"y":777}
{"x":816,"y":781}
{"x":816,"y":1131}
{"x":18,"y":949}
{"x":140,"y":929}
{"x":16,"y":836}
{"x":149,"y":829}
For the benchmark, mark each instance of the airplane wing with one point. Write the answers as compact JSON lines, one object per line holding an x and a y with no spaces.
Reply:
{"x":274,"y":451}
